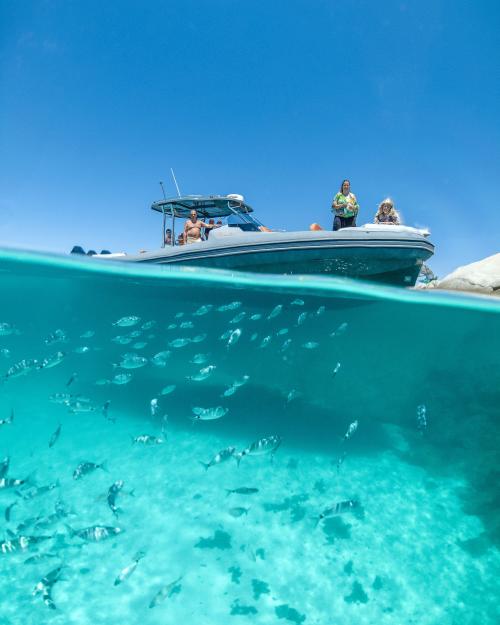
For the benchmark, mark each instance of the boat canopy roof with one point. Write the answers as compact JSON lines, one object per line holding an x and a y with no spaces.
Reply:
{"x":207,"y":206}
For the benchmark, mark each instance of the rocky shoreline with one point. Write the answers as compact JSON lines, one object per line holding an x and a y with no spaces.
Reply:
{"x":481,"y":277}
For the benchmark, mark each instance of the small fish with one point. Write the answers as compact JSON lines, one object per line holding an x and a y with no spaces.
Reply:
{"x":126,"y":322}
{"x":139,"y":345}
{"x":301,"y":318}
{"x":199,"y":359}
{"x":121,"y":378}
{"x":60,"y":398}
{"x":266,"y":445}
{"x":338,"y":508}
{"x":55,"y":436}
{"x":160,"y":359}
{"x":265,"y":341}
{"x":87,"y":335}
{"x":177,"y":343}
{"x":102,"y":382}
{"x":171,"y":326}
{"x":105,"y":411}
{"x":282,"y":332}
{"x":146,"y":439}
{"x":94,"y":534}
{"x":254,"y":336}
{"x":234,"y":337}
{"x":122,"y":340}
{"x":8,"y":482}
{"x":286,"y":345}
{"x":6,"y":329}
{"x":336,"y":370}
{"x":320,"y":311}
{"x":4,"y":466}
{"x":22,"y":367}
{"x":208,"y":414}
{"x":237,"y":318}
{"x":147,"y":325}
{"x":203,"y":310}
{"x":243,"y":490}
{"x":275,"y":311}
{"x":78,"y":404}
{"x":235,"y":386}
{"x":351,"y":430}
{"x":9,"y":419}
{"x":166,"y":390}
{"x":128,"y":570}
{"x":165,"y":592}
{"x":132,"y":361}
{"x":340,"y":461}
{"x":153,"y":404}
{"x":83,"y":349}
{"x":8,"y":511}
{"x":36,"y":491}
{"x":293,"y":394}
{"x":421,"y":418}
{"x":237,"y":512}
{"x":340,"y":330}
{"x":186,"y":325}
{"x":51,"y":361}
{"x":221,"y":456}
{"x":40,"y":557}
{"x":179,"y":315}
{"x":310,"y":345}
{"x":45,"y":585}
{"x":203,"y":374}
{"x":58,"y":336}
{"x":229,"y":391}
{"x":84,"y":468}
{"x":113,"y":492}
{"x":5,"y":352}
{"x":73,"y":378}
{"x":21,"y":543}
{"x":297,"y":302}
{"x":199,"y":338}
{"x":256,"y":317}
{"x":231,"y":306}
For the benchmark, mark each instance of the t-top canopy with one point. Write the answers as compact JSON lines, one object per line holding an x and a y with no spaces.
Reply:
{"x":207,"y":206}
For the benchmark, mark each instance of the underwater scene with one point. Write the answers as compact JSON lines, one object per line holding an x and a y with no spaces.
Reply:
{"x":185,"y":446}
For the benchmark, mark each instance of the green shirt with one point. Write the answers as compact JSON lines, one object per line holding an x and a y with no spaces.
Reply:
{"x":350,"y":206}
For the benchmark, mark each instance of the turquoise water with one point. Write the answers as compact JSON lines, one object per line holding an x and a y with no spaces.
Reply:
{"x":419,"y":542}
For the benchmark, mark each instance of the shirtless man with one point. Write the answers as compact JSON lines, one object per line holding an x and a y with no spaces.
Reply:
{"x":192,"y":228}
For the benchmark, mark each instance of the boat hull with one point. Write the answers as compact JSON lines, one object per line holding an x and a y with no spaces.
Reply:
{"x":395,"y":261}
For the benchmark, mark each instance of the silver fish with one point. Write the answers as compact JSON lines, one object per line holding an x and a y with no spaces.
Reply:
{"x":351,"y":430}
{"x":9,"y":419}
{"x":286,"y":345}
{"x":179,"y":315}
{"x":265,"y":341}
{"x":177,"y":343}
{"x":147,"y":325}
{"x":8,"y":511}
{"x":160,"y":359}
{"x":146,"y":439}
{"x":5,"y":352}
{"x":6,"y":329}
{"x":121,"y":378}
{"x":21,"y":543}
{"x":320,"y":311}
{"x":203,"y":374}
{"x":337,"y":369}
{"x":128,"y":570}
{"x":8,"y":482}
{"x":256,"y":317}
{"x":186,"y":325}
{"x":135,"y":334}
{"x":36,"y":491}
{"x":171,"y":326}
{"x":102,"y":382}
{"x":60,"y":398}
{"x":208,"y":414}
{"x":340,"y":330}
{"x":338,"y":508}
{"x":21,"y":368}
{"x":235,"y":386}
{"x":166,"y":390}
{"x":242,"y":490}
{"x":84,"y":468}
{"x":78,"y":404}
{"x":132,"y":361}
{"x":126,"y":322}
{"x":87,"y":335}
{"x":234,"y":337}
{"x":94,"y":534}
{"x":45,"y":585}
{"x":139,"y":345}
{"x":199,"y":338}
{"x":51,"y":361}
{"x":200,"y":359}
{"x":221,"y":456}
{"x":113,"y":492}
{"x":58,"y":336}
{"x":4,"y":466}
{"x":310,"y":345}
{"x":293,"y":394}
{"x":165,"y":592}
{"x":231,"y":306}
{"x":122,"y":340}
{"x":203,"y":310}
{"x":301,"y":318}
{"x":282,"y":331}
{"x":73,"y":378}
{"x":83,"y":349}
{"x":275,"y":311}
{"x":153,"y":404}
{"x":237,"y":318}
{"x":421,"y":418}
{"x":266,"y":445}
{"x":297,"y":302}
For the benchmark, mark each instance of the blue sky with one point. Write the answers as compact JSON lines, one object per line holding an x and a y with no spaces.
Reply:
{"x":278,"y":101}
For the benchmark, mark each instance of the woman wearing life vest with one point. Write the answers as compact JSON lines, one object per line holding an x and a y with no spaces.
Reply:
{"x":345,"y":206}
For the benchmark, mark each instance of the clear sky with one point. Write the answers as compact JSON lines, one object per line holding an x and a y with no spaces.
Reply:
{"x":275,"y":100}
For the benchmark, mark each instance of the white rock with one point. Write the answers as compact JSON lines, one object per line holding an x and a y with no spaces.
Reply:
{"x":480,"y":277}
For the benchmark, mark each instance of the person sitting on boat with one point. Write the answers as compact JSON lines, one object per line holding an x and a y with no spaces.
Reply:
{"x":192,"y":228}
{"x":387,"y":214}
{"x":168,"y":236}
{"x":345,"y":206}
{"x":206,"y":233}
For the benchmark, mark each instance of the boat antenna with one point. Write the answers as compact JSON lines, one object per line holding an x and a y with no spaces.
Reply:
{"x":175,"y":182}
{"x":163,"y":189}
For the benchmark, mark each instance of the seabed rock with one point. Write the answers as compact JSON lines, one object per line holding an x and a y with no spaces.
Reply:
{"x":481,"y":277}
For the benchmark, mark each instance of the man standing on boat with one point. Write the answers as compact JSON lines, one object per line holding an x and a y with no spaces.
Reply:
{"x":345,"y":206}
{"x":192,"y":228}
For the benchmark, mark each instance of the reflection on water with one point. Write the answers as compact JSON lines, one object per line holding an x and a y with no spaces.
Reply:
{"x":208,"y":448}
